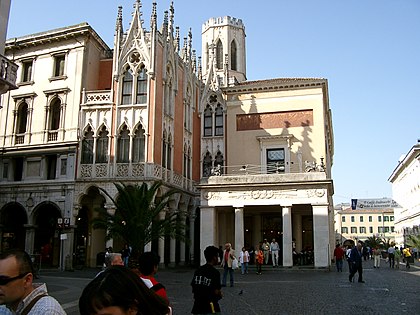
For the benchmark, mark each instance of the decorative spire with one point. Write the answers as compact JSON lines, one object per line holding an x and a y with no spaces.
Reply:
{"x":118,"y":25}
{"x":185,"y":49}
{"x":177,"y":38}
{"x":199,"y":70}
{"x":171,"y":18}
{"x":194,"y":61}
{"x":189,"y":42}
{"x":153,"y":17}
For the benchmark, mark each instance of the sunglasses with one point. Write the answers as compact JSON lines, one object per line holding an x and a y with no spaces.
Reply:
{"x":5,"y":279}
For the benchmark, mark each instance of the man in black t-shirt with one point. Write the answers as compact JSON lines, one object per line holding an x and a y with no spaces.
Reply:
{"x":206,"y":284}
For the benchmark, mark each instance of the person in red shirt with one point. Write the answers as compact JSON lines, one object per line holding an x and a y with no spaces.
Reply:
{"x":339,"y":256}
{"x":148,"y":266}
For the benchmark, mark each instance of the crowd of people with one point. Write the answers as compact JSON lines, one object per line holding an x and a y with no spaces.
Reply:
{"x":123,"y":288}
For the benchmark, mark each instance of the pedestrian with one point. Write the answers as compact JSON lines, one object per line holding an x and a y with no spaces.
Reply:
{"x":244,"y":260}
{"x":206,"y":285}
{"x":338,"y":257}
{"x":391,"y":260}
{"x":125,"y":253}
{"x":348,"y":251}
{"x":397,"y":257}
{"x":407,"y":257}
{"x":113,"y":259}
{"x":356,"y":255}
{"x":118,"y":290}
{"x":377,"y":257}
{"x":148,"y":267}
{"x":259,"y":259}
{"x":266,"y":251}
{"x":274,"y":249}
{"x":228,"y":257}
{"x":18,"y":292}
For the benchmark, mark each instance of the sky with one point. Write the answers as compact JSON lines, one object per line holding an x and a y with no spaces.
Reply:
{"x":369,"y":51}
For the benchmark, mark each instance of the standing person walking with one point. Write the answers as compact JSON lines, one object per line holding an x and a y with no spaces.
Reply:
{"x":266,"y":250}
{"x":274,"y":249}
{"x":338,"y":256}
{"x":206,"y":284}
{"x":397,"y":256}
{"x":259,"y":259}
{"x":356,"y":255}
{"x":407,"y":257}
{"x":376,"y":257}
{"x":391,"y":251}
{"x":244,"y":260}
{"x":228,"y":257}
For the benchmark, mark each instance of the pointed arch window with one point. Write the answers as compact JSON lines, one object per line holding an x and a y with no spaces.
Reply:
{"x":218,"y":121}
{"x":22,"y":117}
{"x":123,"y":146}
{"x":218,"y":162}
{"x":208,"y":119}
{"x":164,"y":147}
{"x":219,"y":55}
{"x":207,"y":165}
{"x":169,"y":153}
{"x":87,"y":147}
{"x":127,"y":88}
{"x":139,"y":145}
{"x":189,"y":163}
{"x":233,"y":56}
{"x":55,"y":111}
{"x":102,"y":146}
{"x":141,"y":91}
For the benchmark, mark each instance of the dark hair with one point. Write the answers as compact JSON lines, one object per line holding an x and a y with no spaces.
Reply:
{"x":23,"y":259}
{"x":121,"y":287}
{"x":147,"y":262}
{"x":210,"y":252}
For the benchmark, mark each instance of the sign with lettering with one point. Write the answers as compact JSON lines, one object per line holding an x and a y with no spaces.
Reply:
{"x":383,"y":203}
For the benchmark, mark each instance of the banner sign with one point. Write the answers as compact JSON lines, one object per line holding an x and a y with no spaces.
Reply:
{"x":383,"y":203}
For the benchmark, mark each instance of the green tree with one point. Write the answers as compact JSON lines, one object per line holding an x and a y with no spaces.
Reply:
{"x":136,"y":220}
{"x":413,"y":241}
{"x":374,"y":242}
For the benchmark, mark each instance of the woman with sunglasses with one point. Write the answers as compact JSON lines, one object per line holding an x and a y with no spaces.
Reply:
{"x":119,"y":291}
{"x":18,"y":292}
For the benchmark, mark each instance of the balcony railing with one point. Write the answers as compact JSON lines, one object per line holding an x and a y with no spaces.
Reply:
{"x":8,"y":71}
{"x":96,"y":97}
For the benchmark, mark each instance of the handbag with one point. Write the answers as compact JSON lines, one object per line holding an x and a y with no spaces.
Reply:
{"x":234,"y":263}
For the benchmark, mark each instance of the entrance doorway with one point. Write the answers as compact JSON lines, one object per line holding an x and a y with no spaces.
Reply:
{"x":12,"y":220}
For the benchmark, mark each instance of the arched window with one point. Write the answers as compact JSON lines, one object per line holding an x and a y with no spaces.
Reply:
{"x":22,"y":118}
{"x":123,"y":146}
{"x":169,"y":153}
{"x":102,"y":146}
{"x":127,"y":88}
{"x":139,"y":145}
{"x":233,"y":56}
{"x":141,"y":93}
{"x":55,"y":111}
{"x":208,"y":119}
{"x":218,"y":121}
{"x":87,"y":147}
{"x":207,"y":165}
{"x":164,"y":149}
{"x":189,"y":163}
{"x":219,"y":55}
{"x":218,"y":162}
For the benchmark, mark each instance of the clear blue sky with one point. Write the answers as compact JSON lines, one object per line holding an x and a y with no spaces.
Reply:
{"x":368,"y":50}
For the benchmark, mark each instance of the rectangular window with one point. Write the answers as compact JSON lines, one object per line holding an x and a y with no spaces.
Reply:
{"x":63,"y":169}
{"x":386,"y":218}
{"x":352,"y":218}
{"x":391,"y":218}
{"x":27,"y":71}
{"x":370,"y":229}
{"x":379,"y":218}
{"x":361,"y":218}
{"x":362,"y":229}
{"x":275,"y":161}
{"x":344,"y":230}
{"x":353,"y":230}
{"x":380,"y":229}
{"x":370,"y":218}
{"x":17,"y":169}
{"x":59,"y":62}
{"x":51,"y":165}
{"x":386,"y":229}
{"x":392,"y":229}
{"x":343,"y":218}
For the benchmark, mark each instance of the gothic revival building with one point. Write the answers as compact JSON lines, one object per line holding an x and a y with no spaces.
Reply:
{"x":251,"y":159}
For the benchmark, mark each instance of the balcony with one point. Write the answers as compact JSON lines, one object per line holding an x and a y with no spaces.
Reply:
{"x":8,"y":72}
{"x":90,"y":98}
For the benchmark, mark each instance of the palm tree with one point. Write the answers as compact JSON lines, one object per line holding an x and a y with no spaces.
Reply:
{"x":136,"y":220}
{"x":413,"y":241}
{"x":374,"y":242}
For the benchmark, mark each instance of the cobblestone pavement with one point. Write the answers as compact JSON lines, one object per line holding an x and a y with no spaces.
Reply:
{"x":277,"y":291}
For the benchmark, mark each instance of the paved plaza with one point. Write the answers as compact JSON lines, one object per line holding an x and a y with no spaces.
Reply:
{"x":277,"y":291}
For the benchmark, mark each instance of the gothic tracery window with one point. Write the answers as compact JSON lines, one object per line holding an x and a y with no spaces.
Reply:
{"x":102,"y":146}
{"x":208,"y":120}
{"x":123,"y":146}
{"x":87,"y":147}
{"x":207,"y":165}
{"x":218,"y":121}
{"x":138,"y":146}
{"x":141,"y":91}
{"x":127,"y":88}
{"x":218,"y":162}
{"x":219,"y":55}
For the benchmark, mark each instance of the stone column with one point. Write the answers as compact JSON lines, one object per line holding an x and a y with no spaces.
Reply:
{"x":172,"y":250}
{"x":239,"y":229}
{"x":321,"y":236}
{"x":207,"y":230}
{"x":287,"y":236}
{"x":29,"y":238}
{"x":192,"y":234}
